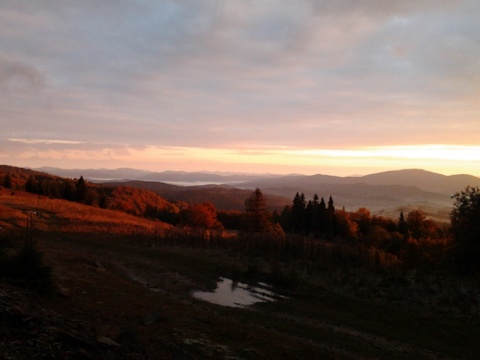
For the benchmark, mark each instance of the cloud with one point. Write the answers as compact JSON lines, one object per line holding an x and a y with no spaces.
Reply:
{"x":19,"y":76}
{"x":66,"y":151}
{"x":210,"y":74}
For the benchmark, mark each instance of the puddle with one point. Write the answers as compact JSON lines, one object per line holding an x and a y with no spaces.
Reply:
{"x":237,"y":294}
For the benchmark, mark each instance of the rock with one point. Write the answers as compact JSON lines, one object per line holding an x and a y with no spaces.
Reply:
{"x":153,"y":318}
{"x":63,"y":292}
{"x":107,"y":341}
{"x":98,"y":265}
{"x":76,"y":337}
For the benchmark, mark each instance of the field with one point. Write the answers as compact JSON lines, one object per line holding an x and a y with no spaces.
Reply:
{"x":120,"y":295}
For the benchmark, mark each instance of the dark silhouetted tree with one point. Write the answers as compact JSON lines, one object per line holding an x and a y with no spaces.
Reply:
{"x":69,"y":190}
{"x":31,"y":185}
{"x":322,"y":217}
{"x":230,"y":219}
{"x":331,"y":221}
{"x":256,"y":214}
{"x":286,"y":219}
{"x":7,"y":181}
{"x":402,"y":225}
{"x":331,"y":206}
{"x":298,"y":213}
{"x":465,"y":220}
{"x":315,"y":217}
{"x":81,"y":190}
{"x":102,"y":200}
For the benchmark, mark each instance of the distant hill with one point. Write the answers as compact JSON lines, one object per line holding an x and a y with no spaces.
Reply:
{"x":202,"y":178}
{"x":96,"y":174}
{"x":384,"y":192}
{"x":424,"y":180}
{"x":172,"y":177}
{"x":21,"y":173}
{"x":224,"y":197}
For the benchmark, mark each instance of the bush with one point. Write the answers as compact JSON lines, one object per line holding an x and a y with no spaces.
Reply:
{"x":27,"y":269}
{"x":283,"y":279}
{"x":466,"y":230}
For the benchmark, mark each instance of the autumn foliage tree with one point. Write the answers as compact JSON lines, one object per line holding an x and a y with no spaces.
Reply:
{"x":202,"y":216}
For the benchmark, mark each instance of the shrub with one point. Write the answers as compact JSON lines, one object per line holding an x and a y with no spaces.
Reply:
{"x":27,"y":269}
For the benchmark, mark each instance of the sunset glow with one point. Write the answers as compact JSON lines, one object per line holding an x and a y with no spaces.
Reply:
{"x":281,"y":87}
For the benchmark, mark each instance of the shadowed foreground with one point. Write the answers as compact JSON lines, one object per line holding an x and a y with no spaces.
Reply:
{"x":115,"y":300}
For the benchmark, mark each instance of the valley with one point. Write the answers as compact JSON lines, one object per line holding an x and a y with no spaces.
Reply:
{"x":384,"y":194}
{"x":124,"y":285}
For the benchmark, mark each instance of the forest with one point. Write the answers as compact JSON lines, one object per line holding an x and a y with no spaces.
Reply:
{"x":109,"y":271}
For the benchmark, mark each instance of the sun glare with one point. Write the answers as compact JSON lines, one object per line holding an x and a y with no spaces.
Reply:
{"x":445,"y":159}
{"x":433,"y":152}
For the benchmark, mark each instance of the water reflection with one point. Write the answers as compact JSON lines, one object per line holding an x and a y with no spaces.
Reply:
{"x":237,"y":294}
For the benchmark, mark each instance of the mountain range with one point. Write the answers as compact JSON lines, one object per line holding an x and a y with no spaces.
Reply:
{"x":172,"y":177}
{"x":383,"y":193}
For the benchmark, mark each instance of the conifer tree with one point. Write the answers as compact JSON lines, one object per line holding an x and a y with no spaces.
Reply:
{"x":81,"y":190}
{"x":331,"y":207}
{"x":322,"y":217}
{"x":331,"y":221}
{"x":314,"y":218}
{"x":308,"y":221}
{"x":298,"y":213}
{"x":402,"y":224}
{"x":256,"y":214}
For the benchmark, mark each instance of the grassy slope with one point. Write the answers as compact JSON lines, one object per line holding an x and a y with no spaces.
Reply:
{"x":108,"y":283}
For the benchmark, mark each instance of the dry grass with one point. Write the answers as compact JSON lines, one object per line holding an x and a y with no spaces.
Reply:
{"x":61,"y":215}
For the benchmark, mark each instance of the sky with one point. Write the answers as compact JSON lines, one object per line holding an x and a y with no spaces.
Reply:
{"x":344,"y":87}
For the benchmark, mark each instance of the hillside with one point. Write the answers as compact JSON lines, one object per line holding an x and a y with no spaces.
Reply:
{"x":66,"y":216}
{"x":422,"y":179}
{"x":130,"y":200}
{"x":224,"y":197}
{"x":383,"y":193}
{"x":123,"y":290}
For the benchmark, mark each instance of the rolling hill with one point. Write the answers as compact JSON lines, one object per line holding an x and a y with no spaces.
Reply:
{"x":382,"y":193}
{"x":224,"y":197}
{"x":171,"y":177}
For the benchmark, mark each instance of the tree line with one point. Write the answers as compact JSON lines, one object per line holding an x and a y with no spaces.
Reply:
{"x":127,"y":199}
{"x":412,"y":238}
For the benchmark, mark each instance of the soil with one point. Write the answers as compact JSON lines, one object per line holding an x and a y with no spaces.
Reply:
{"x":117,"y":301}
